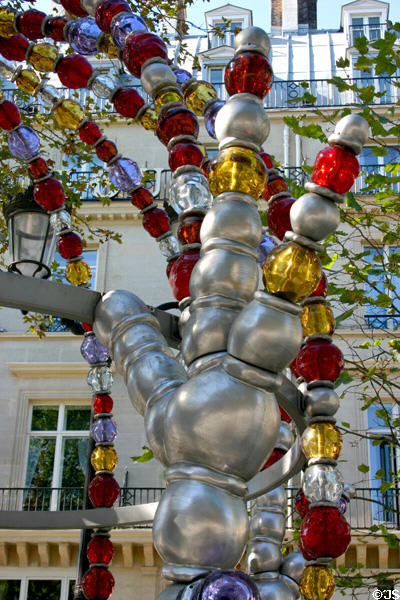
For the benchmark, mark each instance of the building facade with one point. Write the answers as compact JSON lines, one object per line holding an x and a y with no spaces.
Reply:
{"x":44,"y":396}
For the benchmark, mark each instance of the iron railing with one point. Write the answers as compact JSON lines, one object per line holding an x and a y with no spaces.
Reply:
{"x":382,"y":321}
{"x":372,"y":31}
{"x":366,"y":170}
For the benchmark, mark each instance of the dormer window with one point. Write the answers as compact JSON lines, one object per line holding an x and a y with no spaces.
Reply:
{"x":369,"y":27}
{"x":224,"y":33}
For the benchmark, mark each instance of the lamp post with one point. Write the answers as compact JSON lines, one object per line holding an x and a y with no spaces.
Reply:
{"x":32,"y":238}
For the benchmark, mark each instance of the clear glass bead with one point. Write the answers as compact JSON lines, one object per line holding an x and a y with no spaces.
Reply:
{"x":60,"y":220}
{"x":125,"y":174}
{"x":103,"y":85}
{"x":7,"y":69}
{"x":24,"y":143}
{"x":82,"y":35}
{"x":100,"y":379}
{"x":190,"y":190}
{"x":169,"y":246}
{"x":49,"y":95}
{"x":125,"y":24}
{"x":323,"y":483}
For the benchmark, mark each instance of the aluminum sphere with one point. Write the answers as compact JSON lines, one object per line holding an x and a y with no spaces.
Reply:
{"x":172,"y":592}
{"x":285,"y":439}
{"x":154,"y":426}
{"x":263,"y":556}
{"x":155,"y":74}
{"x":321,"y":401}
{"x":276,"y":498}
{"x":200,"y":525}
{"x":252,"y":38}
{"x":268,"y":523}
{"x":292,"y":585}
{"x":275,"y":589}
{"x":293,"y":565}
{"x":314,"y":217}
{"x":242,"y":118}
{"x":90,"y":6}
{"x":352,"y":132}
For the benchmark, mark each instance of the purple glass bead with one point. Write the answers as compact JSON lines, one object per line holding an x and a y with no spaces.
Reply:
{"x":125,"y":24}
{"x":83,"y":34}
{"x":210,"y":115}
{"x":24,"y":142}
{"x":93,"y":351}
{"x":125,"y":174}
{"x":228,"y":585}
{"x":104,"y":430}
{"x":265,"y":248}
{"x":342,"y":505}
{"x":181,"y":75}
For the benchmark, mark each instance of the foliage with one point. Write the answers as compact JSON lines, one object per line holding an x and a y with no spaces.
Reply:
{"x":146,"y":455}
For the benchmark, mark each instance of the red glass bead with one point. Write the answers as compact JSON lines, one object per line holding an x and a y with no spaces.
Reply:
{"x":293,"y":369}
{"x":100,"y":550}
{"x":9,"y":115}
{"x":90,"y":133}
{"x":336,"y":169}
{"x":189,"y":230}
{"x":302,"y":504}
{"x":141,"y":46}
{"x":275,"y":455}
{"x":106,"y":150}
{"x":278,"y":216}
{"x":319,"y":359}
{"x":29,"y":23}
{"x":54,"y":28}
{"x":275,"y":185}
{"x":38,"y":168}
{"x":74,"y":8}
{"x":156,"y":222}
{"x":170,"y":264}
{"x":205,"y":165}
{"x":107,"y":10}
{"x":128,"y":102}
{"x":74,"y":71}
{"x":49,"y":194}
{"x":14,"y":48}
{"x":175,"y":120}
{"x":142,"y":198}
{"x":103,"y":403}
{"x":185,"y":153}
{"x":69,"y":245}
{"x":103,"y":490}
{"x":98,"y":584}
{"x":324,"y":532}
{"x":249,"y":73}
{"x":322,"y":289}
{"x":267,"y":160}
{"x":284,"y":415}
{"x":179,"y":275}
{"x":87,"y":326}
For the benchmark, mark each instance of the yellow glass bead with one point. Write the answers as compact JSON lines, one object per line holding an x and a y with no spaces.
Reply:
{"x":321,"y":440}
{"x":42,"y":57}
{"x":292,"y":272}
{"x":317,"y":318}
{"x":237,"y":169}
{"x":166,"y":96}
{"x":317,"y":583}
{"x":28,"y":81}
{"x":198,"y":94}
{"x":107,"y":46}
{"x":7,"y":23}
{"x":69,"y":114}
{"x":78,"y":272}
{"x":148,"y":119}
{"x":104,"y":458}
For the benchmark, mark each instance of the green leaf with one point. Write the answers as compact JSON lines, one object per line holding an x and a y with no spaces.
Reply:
{"x":345,"y":424}
{"x":344,"y":316}
{"x":363,"y":468}
{"x":378,"y":150}
{"x":144,"y":457}
{"x":386,"y":485}
{"x":352,"y":202}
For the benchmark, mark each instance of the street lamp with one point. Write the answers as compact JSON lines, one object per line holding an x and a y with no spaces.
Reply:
{"x":31,"y":237}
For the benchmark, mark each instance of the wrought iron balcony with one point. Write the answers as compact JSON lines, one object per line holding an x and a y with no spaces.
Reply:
{"x":382,"y":321}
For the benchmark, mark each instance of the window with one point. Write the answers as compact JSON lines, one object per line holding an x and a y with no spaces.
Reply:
{"x":89,"y":256}
{"x":370,"y":27}
{"x":371,"y":164}
{"x":56,"y":457}
{"x":384,"y":462}
{"x":229,"y":30}
{"x":36,"y":589}
{"x":216,"y":77}
{"x":383,"y":279}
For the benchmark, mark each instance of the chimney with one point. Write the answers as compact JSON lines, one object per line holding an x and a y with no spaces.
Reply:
{"x":293,"y":15}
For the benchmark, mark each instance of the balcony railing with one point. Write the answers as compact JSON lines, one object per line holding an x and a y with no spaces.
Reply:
{"x":382,"y":321}
{"x":372,"y":31}
{"x":373,"y":170}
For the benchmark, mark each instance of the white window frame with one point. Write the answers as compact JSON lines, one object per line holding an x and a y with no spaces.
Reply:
{"x":58,"y":435}
{"x":366,"y":25}
{"x":65,"y":581}
{"x":386,"y":253}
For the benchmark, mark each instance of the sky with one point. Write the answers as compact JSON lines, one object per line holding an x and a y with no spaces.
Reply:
{"x":328,"y":11}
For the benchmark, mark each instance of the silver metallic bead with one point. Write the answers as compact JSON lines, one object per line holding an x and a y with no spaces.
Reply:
{"x":285,"y":439}
{"x":349,"y":491}
{"x":265,"y":523}
{"x":233,"y":216}
{"x":49,"y":94}
{"x":322,"y":483}
{"x":292,"y":585}
{"x":155,"y":75}
{"x":90,"y":6}
{"x":352,"y":132}
{"x":205,"y":408}
{"x":321,"y":401}
{"x":263,"y":556}
{"x":154,"y":425}
{"x":200,"y":525}
{"x":275,"y":336}
{"x":171,"y":592}
{"x":314,"y":217}
{"x":276,"y":498}
{"x":275,"y":589}
{"x":252,"y":38}
{"x":103,"y":85}
{"x":293,"y":565}
{"x":242,"y":119}
{"x":60,"y":220}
